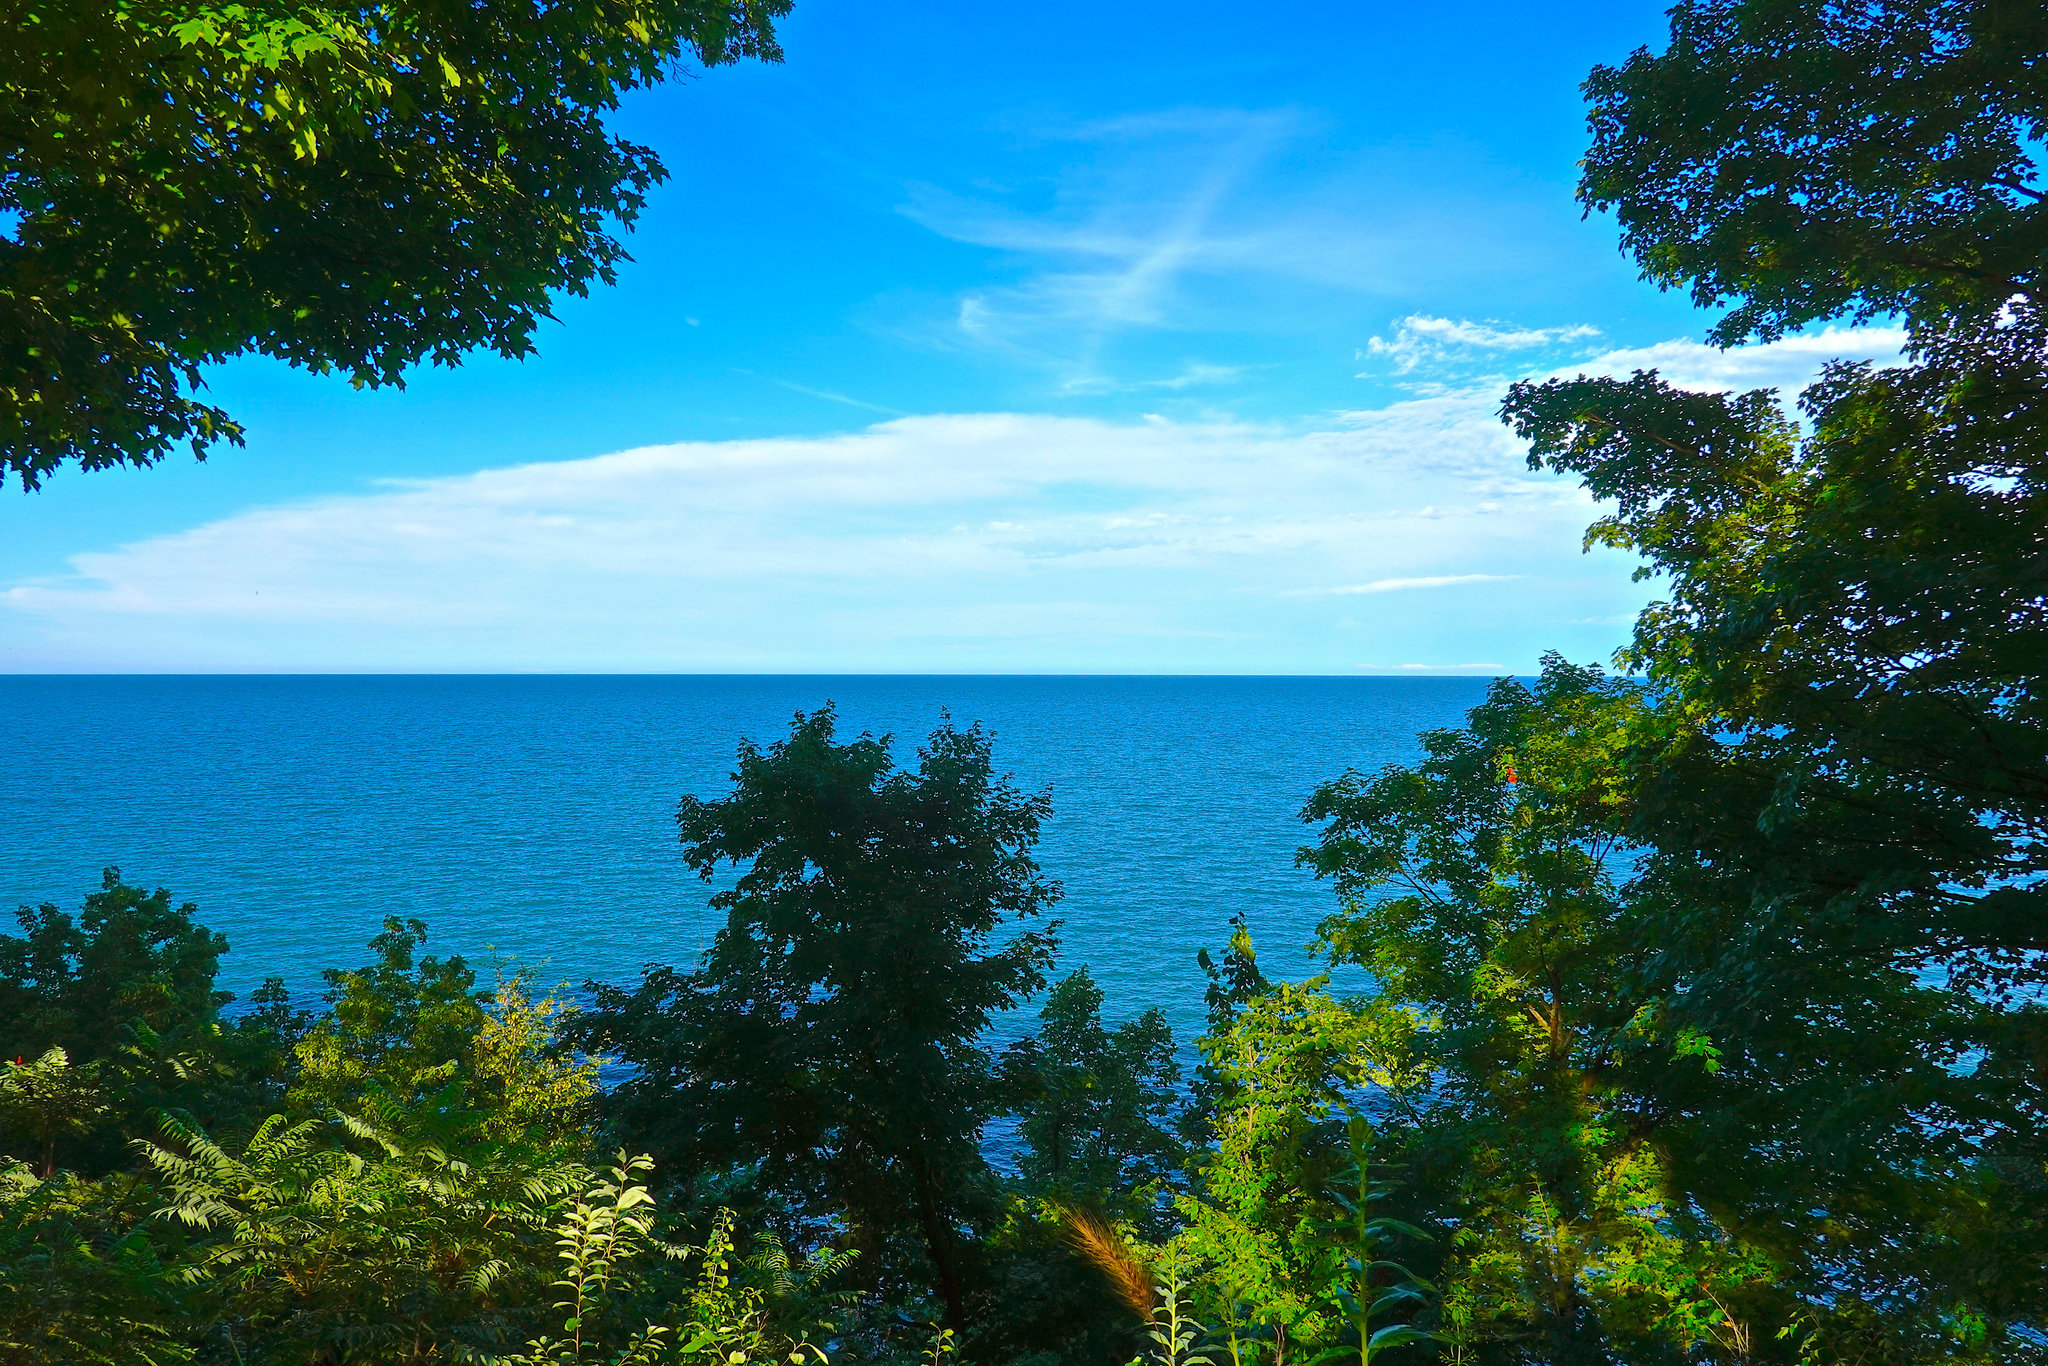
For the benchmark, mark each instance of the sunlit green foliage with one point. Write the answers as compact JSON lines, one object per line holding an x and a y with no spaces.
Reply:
{"x":48,"y":1101}
{"x":126,"y":989}
{"x":611,"y":1225}
{"x":1488,"y":892}
{"x":411,"y":1203}
{"x":348,"y":188}
{"x":410,"y":1033}
{"x":1292,"y":1064}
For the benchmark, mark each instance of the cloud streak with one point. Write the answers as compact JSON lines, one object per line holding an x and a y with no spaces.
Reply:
{"x":1111,"y":256}
{"x":973,"y":542}
{"x":992,"y":541}
{"x":1186,"y":220}
{"x":1398,"y":585}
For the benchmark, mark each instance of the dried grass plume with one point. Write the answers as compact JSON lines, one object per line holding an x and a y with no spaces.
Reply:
{"x":1098,"y":1241}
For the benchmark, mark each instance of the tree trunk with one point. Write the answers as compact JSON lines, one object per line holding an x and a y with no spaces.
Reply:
{"x":938,"y":1246}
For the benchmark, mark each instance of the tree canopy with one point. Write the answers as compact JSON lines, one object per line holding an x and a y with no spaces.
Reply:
{"x":830,"y":1045}
{"x":1803,"y":159}
{"x":1840,"y":789}
{"x":345,"y":188}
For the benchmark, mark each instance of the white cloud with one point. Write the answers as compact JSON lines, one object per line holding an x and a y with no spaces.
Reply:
{"x":1446,"y":351}
{"x":979,"y":541}
{"x":1421,"y":340}
{"x":975,"y":541}
{"x":1398,"y":585}
{"x":1788,"y":364}
{"x":990,"y":541}
{"x":1449,"y":355}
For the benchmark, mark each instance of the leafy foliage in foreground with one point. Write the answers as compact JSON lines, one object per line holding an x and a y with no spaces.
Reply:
{"x":350,"y":188}
{"x":1703,"y":1020}
{"x":416,"y":1198}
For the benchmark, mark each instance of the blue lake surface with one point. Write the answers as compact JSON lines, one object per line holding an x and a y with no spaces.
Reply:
{"x":533,"y":817}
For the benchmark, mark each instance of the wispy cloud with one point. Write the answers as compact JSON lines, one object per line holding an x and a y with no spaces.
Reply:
{"x":1114,"y":249}
{"x":1196,"y":374}
{"x":1396,"y":585}
{"x":832,"y":397}
{"x":1158,"y":222}
{"x":1788,"y":364}
{"x":970,"y":541}
{"x":1421,"y":340}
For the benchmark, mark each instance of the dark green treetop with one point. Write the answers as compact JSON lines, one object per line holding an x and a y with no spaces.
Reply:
{"x":829,"y":1045}
{"x":1862,"y":609}
{"x":348,"y":188}
{"x":126,"y":989}
{"x":128,"y":957}
{"x":1097,"y":1106}
{"x":1803,"y":159}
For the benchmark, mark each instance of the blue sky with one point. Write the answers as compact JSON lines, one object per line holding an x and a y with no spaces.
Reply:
{"x":1124,"y":337}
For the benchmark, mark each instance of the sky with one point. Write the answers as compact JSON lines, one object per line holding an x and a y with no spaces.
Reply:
{"x":1130,"y":338}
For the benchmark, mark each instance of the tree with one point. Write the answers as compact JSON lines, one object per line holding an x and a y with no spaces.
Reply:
{"x":410,"y":1035}
{"x":1808,"y":158}
{"x":1844,"y":787}
{"x":1846,"y":790}
{"x":827,"y":1050}
{"x":47,"y":1100}
{"x":126,"y":989}
{"x":1488,"y":892}
{"x":129,"y":956}
{"x":350,"y":188}
{"x":1097,"y":1106}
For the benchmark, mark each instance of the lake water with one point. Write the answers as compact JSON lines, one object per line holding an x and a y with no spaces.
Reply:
{"x":533,"y":817}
